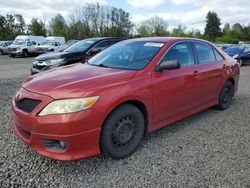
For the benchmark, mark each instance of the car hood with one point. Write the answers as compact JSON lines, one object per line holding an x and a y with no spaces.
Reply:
{"x":75,"y":80}
{"x":13,"y":46}
{"x":55,"y":55}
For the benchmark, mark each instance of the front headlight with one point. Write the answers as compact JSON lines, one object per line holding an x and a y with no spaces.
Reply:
{"x":53,"y":61}
{"x":64,"y":106}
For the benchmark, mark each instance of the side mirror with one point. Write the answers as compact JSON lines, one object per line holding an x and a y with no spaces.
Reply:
{"x":168,"y":65}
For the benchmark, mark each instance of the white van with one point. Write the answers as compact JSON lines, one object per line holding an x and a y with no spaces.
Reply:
{"x":25,"y":45}
{"x":52,"y":44}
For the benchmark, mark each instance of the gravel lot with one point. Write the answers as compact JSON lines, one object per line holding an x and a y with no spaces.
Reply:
{"x":209,"y":149}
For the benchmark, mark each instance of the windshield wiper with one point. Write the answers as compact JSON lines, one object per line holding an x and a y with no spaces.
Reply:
{"x":99,"y":65}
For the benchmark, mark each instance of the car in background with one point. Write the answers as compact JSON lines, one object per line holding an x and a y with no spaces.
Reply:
{"x":4,"y":47}
{"x":24,"y":45}
{"x":78,"y":52}
{"x":109,"y":103}
{"x":52,"y":44}
{"x":69,"y":43}
{"x":240,"y":52}
{"x":223,"y":46}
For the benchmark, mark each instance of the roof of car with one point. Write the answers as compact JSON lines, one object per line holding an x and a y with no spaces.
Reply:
{"x":103,"y":38}
{"x":164,"y":39}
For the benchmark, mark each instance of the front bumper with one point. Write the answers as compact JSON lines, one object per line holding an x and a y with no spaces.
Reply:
{"x":81,"y":130}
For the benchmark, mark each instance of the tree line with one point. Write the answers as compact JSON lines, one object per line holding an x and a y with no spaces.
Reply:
{"x":95,"y":20}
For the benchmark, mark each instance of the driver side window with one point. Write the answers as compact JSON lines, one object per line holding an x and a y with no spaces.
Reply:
{"x":181,"y":52}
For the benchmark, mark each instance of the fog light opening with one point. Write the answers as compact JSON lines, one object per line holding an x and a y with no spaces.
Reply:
{"x":58,"y":145}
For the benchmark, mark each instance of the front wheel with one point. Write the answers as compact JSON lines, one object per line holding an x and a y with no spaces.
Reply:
{"x":25,"y":53}
{"x":226,"y":96}
{"x":122,"y":131}
{"x":1,"y":52}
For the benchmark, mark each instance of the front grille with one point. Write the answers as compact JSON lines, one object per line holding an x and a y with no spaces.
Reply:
{"x":27,"y":105}
{"x":12,"y":49}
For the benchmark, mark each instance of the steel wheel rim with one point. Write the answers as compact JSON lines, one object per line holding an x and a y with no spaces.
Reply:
{"x":124,"y":132}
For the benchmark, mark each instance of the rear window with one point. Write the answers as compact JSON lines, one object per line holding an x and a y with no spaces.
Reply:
{"x":218,"y":56}
{"x":205,"y":53}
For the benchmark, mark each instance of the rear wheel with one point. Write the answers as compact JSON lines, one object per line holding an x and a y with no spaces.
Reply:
{"x":226,"y":96}
{"x":1,"y":52}
{"x":122,"y":131}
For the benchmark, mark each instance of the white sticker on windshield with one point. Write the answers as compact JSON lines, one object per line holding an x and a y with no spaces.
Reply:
{"x":154,"y":44}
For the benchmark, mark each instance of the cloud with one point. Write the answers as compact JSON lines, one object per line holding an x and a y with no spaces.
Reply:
{"x":41,"y":9}
{"x":229,"y":11}
{"x":145,"y":3}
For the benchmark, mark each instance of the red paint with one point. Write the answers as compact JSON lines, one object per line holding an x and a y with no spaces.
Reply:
{"x":168,"y":97}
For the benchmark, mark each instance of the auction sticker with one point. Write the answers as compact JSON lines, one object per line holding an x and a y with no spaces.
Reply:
{"x":154,"y":44}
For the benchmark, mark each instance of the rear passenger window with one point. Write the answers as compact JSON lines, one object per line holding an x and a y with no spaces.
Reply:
{"x":218,"y":56}
{"x":205,"y":53}
{"x":181,"y":52}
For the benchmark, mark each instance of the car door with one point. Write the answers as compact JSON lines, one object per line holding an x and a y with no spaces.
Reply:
{"x":174,"y":90}
{"x":211,"y":65}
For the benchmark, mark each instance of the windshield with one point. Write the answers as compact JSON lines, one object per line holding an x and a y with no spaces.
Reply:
{"x":131,"y":55}
{"x":234,"y":50}
{"x":19,"y":41}
{"x":80,"y":46}
{"x":48,"y":43}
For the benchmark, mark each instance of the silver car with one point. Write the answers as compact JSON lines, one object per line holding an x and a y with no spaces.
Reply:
{"x":4,"y":47}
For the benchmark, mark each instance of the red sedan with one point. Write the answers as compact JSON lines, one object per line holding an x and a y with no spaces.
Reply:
{"x":108,"y":104}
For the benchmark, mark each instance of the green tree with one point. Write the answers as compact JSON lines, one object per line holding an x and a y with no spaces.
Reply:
{"x":154,"y":26}
{"x":121,"y":24}
{"x":212,"y":29}
{"x":226,"y":29}
{"x":37,"y":27}
{"x":58,"y":26}
{"x":20,"y":25}
{"x":179,"y":31}
{"x":78,"y":31}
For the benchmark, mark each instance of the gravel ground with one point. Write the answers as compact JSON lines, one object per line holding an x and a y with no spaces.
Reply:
{"x":209,"y":149}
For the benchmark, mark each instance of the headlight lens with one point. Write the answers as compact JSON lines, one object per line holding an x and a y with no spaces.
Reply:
{"x":64,"y":106}
{"x":53,"y":61}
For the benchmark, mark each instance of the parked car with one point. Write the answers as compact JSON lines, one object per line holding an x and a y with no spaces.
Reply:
{"x":133,"y":87}
{"x":4,"y":47}
{"x":25,"y":45}
{"x":223,"y":46}
{"x":52,"y":44}
{"x":239,"y":52}
{"x":77,"y":52}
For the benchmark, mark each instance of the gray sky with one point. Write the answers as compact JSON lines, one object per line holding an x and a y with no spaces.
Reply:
{"x":191,"y":13}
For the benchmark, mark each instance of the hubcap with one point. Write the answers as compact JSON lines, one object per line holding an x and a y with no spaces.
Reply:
{"x":124,"y":131}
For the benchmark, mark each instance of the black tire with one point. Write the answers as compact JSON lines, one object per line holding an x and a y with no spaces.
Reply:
{"x":226,"y":96}
{"x":1,"y":52}
{"x":25,"y":53}
{"x":122,"y":132}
